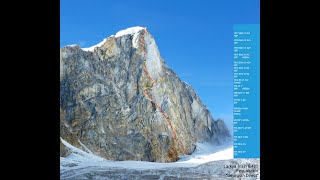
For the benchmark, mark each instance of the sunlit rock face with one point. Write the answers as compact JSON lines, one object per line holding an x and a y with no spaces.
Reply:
{"x":103,"y":108}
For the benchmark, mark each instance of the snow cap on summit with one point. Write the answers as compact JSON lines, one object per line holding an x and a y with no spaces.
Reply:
{"x":131,"y":30}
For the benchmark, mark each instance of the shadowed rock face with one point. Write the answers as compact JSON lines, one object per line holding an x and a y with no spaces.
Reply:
{"x":103,"y":108}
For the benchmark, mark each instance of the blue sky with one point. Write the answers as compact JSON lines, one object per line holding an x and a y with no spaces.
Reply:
{"x":194,"y":37}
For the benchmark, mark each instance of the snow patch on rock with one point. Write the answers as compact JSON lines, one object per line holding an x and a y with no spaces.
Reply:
{"x":97,"y":45}
{"x":132,"y":30}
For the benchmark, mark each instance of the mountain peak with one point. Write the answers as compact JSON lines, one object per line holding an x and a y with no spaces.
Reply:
{"x":131,"y":30}
{"x":122,"y":102}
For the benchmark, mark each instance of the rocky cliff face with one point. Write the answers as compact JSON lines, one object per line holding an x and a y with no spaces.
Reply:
{"x":103,"y":109}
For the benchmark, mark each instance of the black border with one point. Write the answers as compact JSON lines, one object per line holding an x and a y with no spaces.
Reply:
{"x":266,"y":117}
{"x":279,"y":138}
{"x":31,"y":81}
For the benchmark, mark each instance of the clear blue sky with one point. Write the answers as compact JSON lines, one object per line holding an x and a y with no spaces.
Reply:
{"x":195,"y":37}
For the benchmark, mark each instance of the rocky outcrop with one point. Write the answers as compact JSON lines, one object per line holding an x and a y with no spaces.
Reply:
{"x":103,"y":108}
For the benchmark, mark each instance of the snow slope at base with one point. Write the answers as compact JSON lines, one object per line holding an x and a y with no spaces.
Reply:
{"x":205,"y":152}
